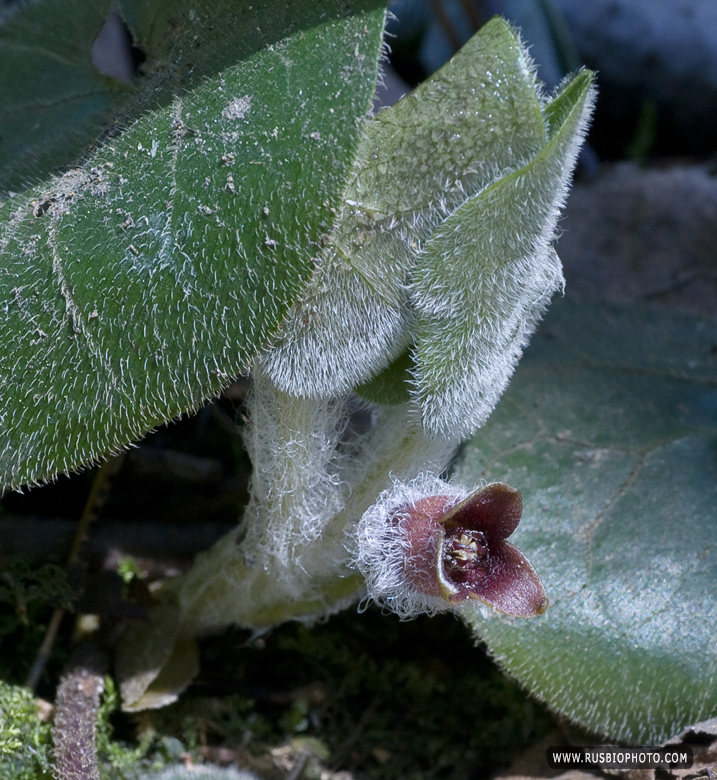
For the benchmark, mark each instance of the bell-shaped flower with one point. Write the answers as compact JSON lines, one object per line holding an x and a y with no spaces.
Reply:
{"x":428,"y":546}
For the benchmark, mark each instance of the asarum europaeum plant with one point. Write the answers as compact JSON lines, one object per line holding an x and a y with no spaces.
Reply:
{"x":378,"y":276}
{"x":426,"y":291}
{"x":393,"y":265}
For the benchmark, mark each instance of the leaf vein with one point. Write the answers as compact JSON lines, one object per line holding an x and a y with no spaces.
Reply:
{"x":72,"y":310}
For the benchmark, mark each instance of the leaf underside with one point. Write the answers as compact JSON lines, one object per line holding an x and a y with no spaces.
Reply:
{"x":609,"y":428}
{"x":487,"y":275}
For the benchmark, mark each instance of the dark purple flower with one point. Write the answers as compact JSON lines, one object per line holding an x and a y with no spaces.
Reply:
{"x":458,"y":551}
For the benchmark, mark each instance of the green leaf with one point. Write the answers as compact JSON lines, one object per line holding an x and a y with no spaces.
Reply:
{"x":609,"y":429}
{"x":141,"y":284}
{"x":53,"y":100}
{"x":390,"y":386}
{"x":475,"y":119}
{"x":470,"y":121}
{"x":161,"y":662}
{"x":487,"y":274}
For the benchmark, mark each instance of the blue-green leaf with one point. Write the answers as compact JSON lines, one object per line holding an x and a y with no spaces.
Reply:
{"x":609,"y":428}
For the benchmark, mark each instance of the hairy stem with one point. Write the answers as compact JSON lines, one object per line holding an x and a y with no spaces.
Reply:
{"x":290,"y":558}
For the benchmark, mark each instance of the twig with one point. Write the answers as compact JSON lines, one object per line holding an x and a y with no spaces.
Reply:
{"x":99,"y":493}
{"x":33,"y":676}
{"x":77,"y":702}
{"x":93,"y":506}
{"x":298,"y":766}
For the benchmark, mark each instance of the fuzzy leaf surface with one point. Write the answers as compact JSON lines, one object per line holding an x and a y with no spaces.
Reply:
{"x":472,"y":121}
{"x":139,"y":285}
{"x":487,"y":274}
{"x":51,"y":98}
{"x":609,"y":429}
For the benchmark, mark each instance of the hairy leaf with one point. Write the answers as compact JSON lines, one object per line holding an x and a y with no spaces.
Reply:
{"x":609,"y":429}
{"x":475,"y":119}
{"x":487,"y":274}
{"x":139,"y":285}
{"x":52,"y":100}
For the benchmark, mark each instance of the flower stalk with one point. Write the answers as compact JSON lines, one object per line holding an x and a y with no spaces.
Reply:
{"x":289,"y":559}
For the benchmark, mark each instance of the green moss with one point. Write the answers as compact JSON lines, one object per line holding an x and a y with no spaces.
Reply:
{"x":24,"y":738}
{"x":27,"y":597}
{"x":386,"y":698}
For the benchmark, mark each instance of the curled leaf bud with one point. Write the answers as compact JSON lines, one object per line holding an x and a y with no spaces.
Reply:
{"x":428,"y":546}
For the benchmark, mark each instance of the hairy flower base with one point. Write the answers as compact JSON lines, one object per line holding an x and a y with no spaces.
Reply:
{"x":430,"y":545}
